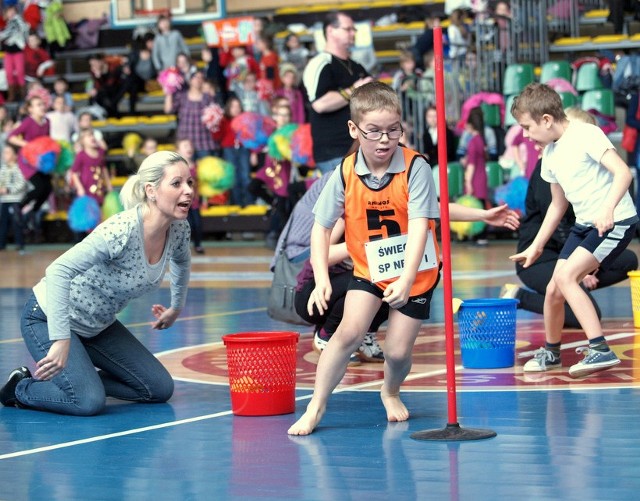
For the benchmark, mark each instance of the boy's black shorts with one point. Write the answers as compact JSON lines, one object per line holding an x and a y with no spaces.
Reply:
{"x":418,"y":307}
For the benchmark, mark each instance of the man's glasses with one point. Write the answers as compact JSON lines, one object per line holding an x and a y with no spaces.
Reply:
{"x":347,"y":28}
{"x":377,"y":135}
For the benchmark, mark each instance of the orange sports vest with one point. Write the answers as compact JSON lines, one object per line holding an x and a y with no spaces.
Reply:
{"x":372,"y":214}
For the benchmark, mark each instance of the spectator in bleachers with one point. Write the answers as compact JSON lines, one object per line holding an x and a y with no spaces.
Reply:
{"x":268,"y":61}
{"x":424,"y":43}
{"x":185,"y":66}
{"x":271,"y":182}
{"x":474,"y":162}
{"x":134,"y":157}
{"x":37,"y":61}
{"x":89,"y":173}
{"x":61,"y":88}
{"x":237,"y":63}
{"x":185,"y":149}
{"x":188,"y":106}
{"x":248,"y":94}
{"x":291,"y":91}
{"x":31,"y":127}
{"x":404,"y":79}
{"x":213,"y":71}
{"x":106,"y":85}
{"x":14,"y":41}
{"x":329,"y":79}
{"x":6,"y":125}
{"x":430,"y":139}
{"x":168,"y":43}
{"x":295,"y":53}
{"x":13,"y":188}
{"x":140,"y":69}
{"x":62,"y":121}
{"x":459,"y":37}
{"x":528,"y":163}
{"x":84,"y":123}
{"x":234,"y":153}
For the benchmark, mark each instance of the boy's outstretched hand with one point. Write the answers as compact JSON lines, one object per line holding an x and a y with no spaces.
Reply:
{"x":527,"y":257}
{"x":502,"y":216}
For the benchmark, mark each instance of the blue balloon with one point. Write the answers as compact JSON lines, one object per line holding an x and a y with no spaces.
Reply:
{"x":47,"y":162}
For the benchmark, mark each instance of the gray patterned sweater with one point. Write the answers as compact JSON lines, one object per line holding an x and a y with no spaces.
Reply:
{"x":86,"y":287}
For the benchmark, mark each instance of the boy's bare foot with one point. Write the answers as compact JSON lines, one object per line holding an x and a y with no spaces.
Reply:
{"x":307,"y":423}
{"x":396,"y":410}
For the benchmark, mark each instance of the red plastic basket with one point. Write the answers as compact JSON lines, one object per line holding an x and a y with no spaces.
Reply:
{"x":262,"y":372}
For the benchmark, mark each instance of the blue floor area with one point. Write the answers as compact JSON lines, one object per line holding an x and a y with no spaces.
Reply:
{"x":551,"y":443}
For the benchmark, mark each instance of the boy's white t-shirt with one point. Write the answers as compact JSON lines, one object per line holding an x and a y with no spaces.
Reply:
{"x":573,"y":162}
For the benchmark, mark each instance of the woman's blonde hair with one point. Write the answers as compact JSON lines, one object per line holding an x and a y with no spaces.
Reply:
{"x":150,"y":172}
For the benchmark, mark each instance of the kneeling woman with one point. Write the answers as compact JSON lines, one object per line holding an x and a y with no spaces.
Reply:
{"x":69,"y":322}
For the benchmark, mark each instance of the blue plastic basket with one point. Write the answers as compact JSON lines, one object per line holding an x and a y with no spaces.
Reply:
{"x":488,"y":333}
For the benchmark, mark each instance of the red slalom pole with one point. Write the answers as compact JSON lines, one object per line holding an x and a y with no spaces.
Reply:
{"x":452,"y":431}
{"x":444,"y":227}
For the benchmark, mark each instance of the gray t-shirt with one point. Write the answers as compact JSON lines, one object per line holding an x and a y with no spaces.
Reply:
{"x":423,"y":201}
{"x":88,"y":285}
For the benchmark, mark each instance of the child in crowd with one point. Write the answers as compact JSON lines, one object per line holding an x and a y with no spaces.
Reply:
{"x":14,"y":40}
{"x":6,"y":126}
{"x":234,"y":153}
{"x":84,"y":123}
{"x":248,"y":95}
{"x":404,"y":79}
{"x":135,"y":157}
{"x":185,"y":149}
{"x":62,"y":122}
{"x":475,"y":172}
{"x":61,"y":88}
{"x":13,"y":188}
{"x":32,"y":127}
{"x":271,"y":182}
{"x":37,"y":61}
{"x":89,"y":173}
{"x":291,"y":91}
{"x":268,"y":61}
{"x":237,"y":63}
{"x":380,"y":174}
{"x":583,"y":169}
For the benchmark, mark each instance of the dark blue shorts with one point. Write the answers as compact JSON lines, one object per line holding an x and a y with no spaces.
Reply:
{"x":605,"y":248}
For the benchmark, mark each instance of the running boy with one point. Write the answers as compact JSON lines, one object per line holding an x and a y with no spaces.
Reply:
{"x":388,"y":198}
{"x":583,"y":169}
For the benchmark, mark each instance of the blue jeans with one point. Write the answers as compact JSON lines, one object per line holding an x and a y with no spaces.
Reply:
{"x":328,"y":165}
{"x":10,"y":217}
{"x":239,"y":157}
{"x":127,"y":370}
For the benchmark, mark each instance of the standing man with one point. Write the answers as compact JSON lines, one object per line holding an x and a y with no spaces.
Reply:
{"x":329,"y":79}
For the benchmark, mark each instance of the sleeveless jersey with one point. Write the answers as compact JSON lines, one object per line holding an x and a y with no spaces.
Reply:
{"x":372,"y":214}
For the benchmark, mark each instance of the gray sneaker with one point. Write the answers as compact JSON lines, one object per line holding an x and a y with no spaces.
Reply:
{"x":543,"y":360}
{"x":593,"y":361}
{"x":370,"y":350}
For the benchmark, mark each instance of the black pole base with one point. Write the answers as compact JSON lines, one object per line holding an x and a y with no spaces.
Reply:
{"x":453,"y":432}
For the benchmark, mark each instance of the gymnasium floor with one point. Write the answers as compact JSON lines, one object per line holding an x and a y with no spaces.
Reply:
{"x":557,"y":438}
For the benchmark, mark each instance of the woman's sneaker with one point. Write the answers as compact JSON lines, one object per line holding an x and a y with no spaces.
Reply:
{"x":8,"y":391}
{"x":593,"y":361}
{"x":370,"y":350}
{"x":543,"y":360}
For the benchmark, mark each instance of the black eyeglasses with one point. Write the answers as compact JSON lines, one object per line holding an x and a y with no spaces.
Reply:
{"x":377,"y":135}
